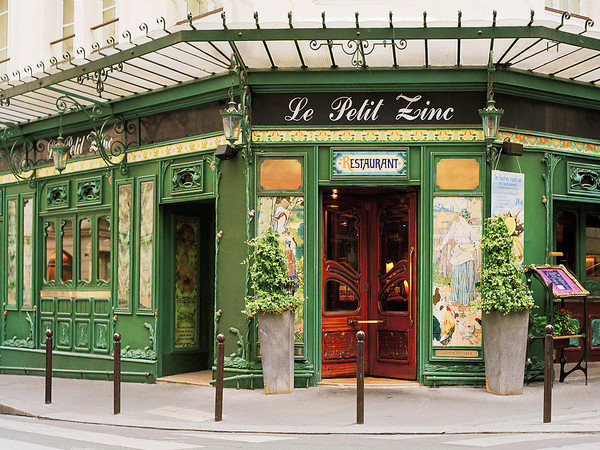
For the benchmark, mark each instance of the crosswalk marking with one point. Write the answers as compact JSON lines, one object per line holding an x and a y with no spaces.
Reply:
{"x":90,"y":436}
{"x":241,"y":437}
{"x":9,"y":444}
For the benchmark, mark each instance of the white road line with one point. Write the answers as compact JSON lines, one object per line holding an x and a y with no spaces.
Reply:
{"x":9,"y":444}
{"x":500,"y":440}
{"x":241,"y":437}
{"x":90,"y":436}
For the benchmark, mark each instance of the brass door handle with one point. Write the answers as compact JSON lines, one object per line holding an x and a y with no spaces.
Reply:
{"x":410,"y":276}
{"x":355,"y":321}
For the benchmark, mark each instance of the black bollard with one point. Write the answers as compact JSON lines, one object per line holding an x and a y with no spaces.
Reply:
{"x":117,"y":373}
{"x":219,"y":378}
{"x":48,"y":366}
{"x":548,"y":357}
{"x":360,"y":377}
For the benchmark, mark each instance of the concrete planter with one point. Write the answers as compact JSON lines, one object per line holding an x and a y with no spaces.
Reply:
{"x":276,"y":335}
{"x":505,"y":345}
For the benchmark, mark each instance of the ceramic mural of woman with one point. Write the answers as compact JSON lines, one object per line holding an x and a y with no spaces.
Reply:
{"x":462,"y":258}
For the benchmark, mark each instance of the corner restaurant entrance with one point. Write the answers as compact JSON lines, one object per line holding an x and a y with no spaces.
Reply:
{"x":369,"y":282}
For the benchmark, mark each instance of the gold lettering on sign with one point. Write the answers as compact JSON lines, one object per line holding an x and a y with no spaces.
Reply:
{"x":457,"y":353}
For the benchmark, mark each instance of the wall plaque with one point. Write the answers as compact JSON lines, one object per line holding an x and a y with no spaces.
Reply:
{"x":364,"y":163}
{"x":457,"y":353}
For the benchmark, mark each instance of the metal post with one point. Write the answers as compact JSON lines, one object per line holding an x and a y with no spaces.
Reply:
{"x":360,"y":377}
{"x":548,"y":357}
{"x":219,"y":378}
{"x":48,"y":366}
{"x":117,"y":373}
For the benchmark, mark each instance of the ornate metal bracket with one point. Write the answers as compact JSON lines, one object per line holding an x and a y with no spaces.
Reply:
{"x":100,"y":76}
{"x":359,"y":48}
{"x":113,"y":152}
{"x":21,"y":153}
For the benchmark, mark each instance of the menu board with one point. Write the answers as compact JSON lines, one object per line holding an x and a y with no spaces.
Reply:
{"x":564,"y":284}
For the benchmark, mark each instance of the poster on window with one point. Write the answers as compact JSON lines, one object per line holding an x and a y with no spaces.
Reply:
{"x":286,"y":216}
{"x":455,"y":275}
{"x":508,"y":198}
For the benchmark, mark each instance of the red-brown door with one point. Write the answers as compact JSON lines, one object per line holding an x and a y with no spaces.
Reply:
{"x":369,"y":280}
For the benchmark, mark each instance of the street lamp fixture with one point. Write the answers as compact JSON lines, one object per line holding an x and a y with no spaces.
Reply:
{"x":490,"y":116}
{"x":232,"y":119}
{"x":60,"y":153}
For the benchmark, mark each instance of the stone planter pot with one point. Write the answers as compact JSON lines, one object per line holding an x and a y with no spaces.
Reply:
{"x":276,"y":336}
{"x":505,"y":346}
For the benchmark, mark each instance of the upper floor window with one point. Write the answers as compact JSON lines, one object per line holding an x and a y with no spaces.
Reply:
{"x":68,"y":29}
{"x":197,"y":7}
{"x":109,"y":13}
{"x":3,"y":35}
{"x":571,"y":6}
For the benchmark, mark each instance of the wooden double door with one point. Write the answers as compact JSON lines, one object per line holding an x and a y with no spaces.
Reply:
{"x":369,"y":283}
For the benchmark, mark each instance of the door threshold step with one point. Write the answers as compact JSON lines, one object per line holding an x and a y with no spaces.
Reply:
{"x":369,"y":381}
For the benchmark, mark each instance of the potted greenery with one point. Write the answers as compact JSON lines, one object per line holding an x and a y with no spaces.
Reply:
{"x":273,"y":303}
{"x":563,"y":323}
{"x":505,"y":304}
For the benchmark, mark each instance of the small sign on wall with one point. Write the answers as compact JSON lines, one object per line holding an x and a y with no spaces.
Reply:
{"x":370,"y":164}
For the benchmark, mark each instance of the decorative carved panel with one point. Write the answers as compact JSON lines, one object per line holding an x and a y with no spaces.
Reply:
{"x":584,"y":179}
{"x":89,"y":191}
{"x":57,"y":196}
{"x":46,"y":323}
{"x":63,"y":334}
{"x":101,"y":336}
{"x":339,"y":345}
{"x":82,"y":334}
{"x":392,"y":345}
{"x":186,"y":178}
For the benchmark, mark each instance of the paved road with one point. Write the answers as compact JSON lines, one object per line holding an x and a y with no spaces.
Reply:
{"x":31,"y":433}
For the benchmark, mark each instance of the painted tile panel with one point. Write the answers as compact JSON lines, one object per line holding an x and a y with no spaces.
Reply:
{"x":146,"y":243}
{"x":455,"y":270}
{"x":123,"y":245}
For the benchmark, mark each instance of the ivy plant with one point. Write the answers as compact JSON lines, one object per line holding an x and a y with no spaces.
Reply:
{"x":502,"y":287}
{"x":272,"y":289}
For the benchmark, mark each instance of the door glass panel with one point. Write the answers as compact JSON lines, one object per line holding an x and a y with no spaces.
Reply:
{"x":67,"y":250}
{"x":103,"y":249}
{"x":50,"y":252}
{"x":339,"y":297}
{"x":85,"y":250}
{"x":592,"y":253}
{"x":393,"y":261}
{"x":342,"y":240}
{"x":566,"y":232}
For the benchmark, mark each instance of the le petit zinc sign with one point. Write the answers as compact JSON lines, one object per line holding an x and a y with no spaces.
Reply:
{"x":364,"y":163}
{"x":387,"y":108}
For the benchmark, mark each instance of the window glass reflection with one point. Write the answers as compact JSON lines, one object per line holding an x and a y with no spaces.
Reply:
{"x":342,"y":243}
{"x":592,"y":253}
{"x":339,"y":297}
{"x":85,"y":250}
{"x":67,"y":250}
{"x":104,"y":249}
{"x":50,"y":252}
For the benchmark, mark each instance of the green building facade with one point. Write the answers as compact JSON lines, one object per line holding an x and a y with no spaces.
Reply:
{"x":377,"y":176}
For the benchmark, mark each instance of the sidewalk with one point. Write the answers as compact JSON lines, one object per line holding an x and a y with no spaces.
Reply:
{"x":328,"y":409}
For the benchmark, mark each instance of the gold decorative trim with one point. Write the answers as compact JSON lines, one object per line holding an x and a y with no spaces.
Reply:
{"x":419,"y":135}
{"x":134,"y":156}
{"x":75,"y":294}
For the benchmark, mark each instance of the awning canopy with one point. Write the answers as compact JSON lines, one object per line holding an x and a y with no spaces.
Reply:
{"x":170,"y":56}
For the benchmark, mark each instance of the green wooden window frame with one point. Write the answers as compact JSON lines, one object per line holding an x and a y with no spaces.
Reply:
{"x":77,"y":280}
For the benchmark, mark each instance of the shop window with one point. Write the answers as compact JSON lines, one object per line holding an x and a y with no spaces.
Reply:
{"x":103,"y":231}
{"x":457,"y":174}
{"x":85,"y":251}
{"x":28,"y":252}
{"x":66,"y":268}
{"x":11,"y":294}
{"x":50,"y":255}
{"x":146,"y":243}
{"x":566,"y":238}
{"x":109,"y":14}
{"x":592,"y":253}
{"x":68,"y":26}
{"x":280,"y":174}
{"x":123,"y":244}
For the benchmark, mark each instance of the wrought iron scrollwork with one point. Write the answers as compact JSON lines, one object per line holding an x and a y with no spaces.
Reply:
{"x":111,"y":150}
{"x":358,"y":49}
{"x":100,"y":76}
{"x":21,"y":153}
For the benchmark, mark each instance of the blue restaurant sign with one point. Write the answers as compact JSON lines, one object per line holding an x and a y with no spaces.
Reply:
{"x":375,"y":163}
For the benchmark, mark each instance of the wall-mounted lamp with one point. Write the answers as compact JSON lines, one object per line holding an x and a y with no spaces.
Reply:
{"x":60,"y":153}
{"x":236,"y":118}
{"x":490,"y":116}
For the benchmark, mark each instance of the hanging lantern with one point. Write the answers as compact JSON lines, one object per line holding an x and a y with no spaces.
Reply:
{"x":232,"y":119}
{"x":60,"y":152}
{"x":490,"y":117}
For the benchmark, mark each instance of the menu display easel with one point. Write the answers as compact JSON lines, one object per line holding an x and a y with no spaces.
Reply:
{"x":560,"y":284}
